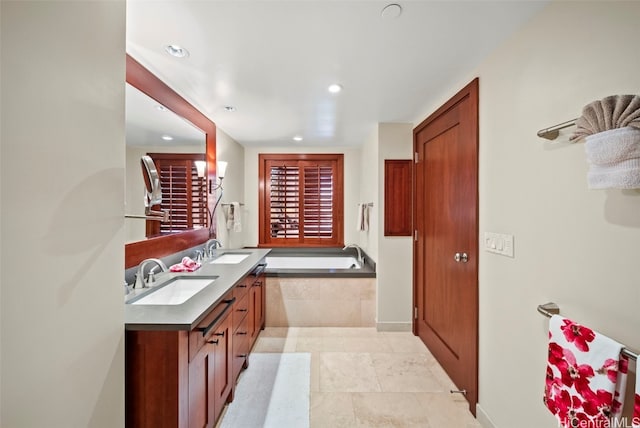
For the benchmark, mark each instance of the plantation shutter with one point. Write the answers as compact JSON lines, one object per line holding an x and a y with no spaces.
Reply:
{"x":183,"y":194}
{"x":302,"y":201}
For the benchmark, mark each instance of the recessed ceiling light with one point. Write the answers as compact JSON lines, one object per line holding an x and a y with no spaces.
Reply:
{"x":297,"y":138}
{"x":161,"y":107}
{"x":166,"y":137}
{"x":229,"y":108}
{"x":391,"y":11}
{"x":177,"y":51}
{"x":335,"y":88}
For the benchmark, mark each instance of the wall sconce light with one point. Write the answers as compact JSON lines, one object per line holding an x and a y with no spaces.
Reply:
{"x":221,"y":170}
{"x":200,"y":167}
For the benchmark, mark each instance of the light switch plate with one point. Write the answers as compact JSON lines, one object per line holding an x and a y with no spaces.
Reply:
{"x":499,"y":243}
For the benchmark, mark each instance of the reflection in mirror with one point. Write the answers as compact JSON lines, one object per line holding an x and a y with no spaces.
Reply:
{"x":153,"y":129}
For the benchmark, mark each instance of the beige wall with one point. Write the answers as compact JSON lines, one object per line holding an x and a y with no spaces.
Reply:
{"x":369,"y":174}
{"x":62,"y":176}
{"x":230,"y":151}
{"x":351,"y":189}
{"x":394,"y":267}
{"x":573,"y":246}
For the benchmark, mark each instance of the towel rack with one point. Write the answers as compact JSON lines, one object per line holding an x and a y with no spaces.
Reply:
{"x":552,"y":132}
{"x":549,"y":309}
{"x":368,"y":204}
{"x":227,"y":204}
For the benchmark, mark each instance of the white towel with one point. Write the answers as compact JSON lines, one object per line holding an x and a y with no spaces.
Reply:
{"x":614,"y":159}
{"x":235,"y":219}
{"x":360,"y":220}
{"x":586,"y":375}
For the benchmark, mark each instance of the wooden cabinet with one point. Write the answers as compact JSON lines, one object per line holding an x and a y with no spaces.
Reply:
{"x":180,"y":379}
{"x":183,"y":379}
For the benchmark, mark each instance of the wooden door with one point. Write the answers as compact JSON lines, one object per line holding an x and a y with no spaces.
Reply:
{"x":446,"y":244}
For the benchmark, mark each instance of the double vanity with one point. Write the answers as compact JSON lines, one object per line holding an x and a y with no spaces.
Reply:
{"x":189,"y":337}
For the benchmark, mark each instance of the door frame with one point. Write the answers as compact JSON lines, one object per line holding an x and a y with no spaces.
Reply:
{"x":471,"y":91}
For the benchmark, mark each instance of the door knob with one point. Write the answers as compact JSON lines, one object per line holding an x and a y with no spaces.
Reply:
{"x":461,"y":257}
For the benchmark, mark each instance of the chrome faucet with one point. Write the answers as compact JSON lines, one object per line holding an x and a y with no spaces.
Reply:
{"x":140,"y":282}
{"x":358,"y":249}
{"x":208,"y":250}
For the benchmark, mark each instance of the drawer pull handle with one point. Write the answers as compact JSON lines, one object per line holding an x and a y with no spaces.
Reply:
{"x":241,"y":333}
{"x":243,"y":310}
{"x":241,"y":286}
{"x":242,"y":355}
{"x":219,"y":334}
{"x":208,"y":328}
{"x":213,"y":342}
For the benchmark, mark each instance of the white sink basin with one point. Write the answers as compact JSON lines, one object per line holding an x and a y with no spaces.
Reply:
{"x":230,"y":258}
{"x":174,"y":292}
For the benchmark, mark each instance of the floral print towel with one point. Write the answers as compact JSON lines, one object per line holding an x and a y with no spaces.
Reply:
{"x":586,"y":375}
{"x":636,"y":407}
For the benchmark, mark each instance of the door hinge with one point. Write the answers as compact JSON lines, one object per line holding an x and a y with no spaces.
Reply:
{"x":416,"y":157}
{"x":415,"y":312}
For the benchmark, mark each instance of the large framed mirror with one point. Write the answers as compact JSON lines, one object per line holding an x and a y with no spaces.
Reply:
{"x":195,"y":138}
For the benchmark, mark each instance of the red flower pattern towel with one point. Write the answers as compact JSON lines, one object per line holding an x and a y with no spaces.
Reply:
{"x":186,"y":265}
{"x":636,"y":406}
{"x":586,"y":375}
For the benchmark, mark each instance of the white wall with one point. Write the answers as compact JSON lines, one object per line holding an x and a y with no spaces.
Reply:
{"x":573,"y":246}
{"x":369,"y":174}
{"x":351,"y":189}
{"x":62,"y":176}
{"x":228,"y":150}
{"x":395,"y":259}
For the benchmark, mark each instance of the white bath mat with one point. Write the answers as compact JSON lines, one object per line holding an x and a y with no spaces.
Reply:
{"x":272,"y":393}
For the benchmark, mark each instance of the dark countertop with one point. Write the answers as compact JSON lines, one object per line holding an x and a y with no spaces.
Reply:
{"x":367,"y":271}
{"x":187,"y":315}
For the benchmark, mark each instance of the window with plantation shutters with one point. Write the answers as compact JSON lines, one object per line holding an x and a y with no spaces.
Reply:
{"x":184,"y":194}
{"x":301,"y":200}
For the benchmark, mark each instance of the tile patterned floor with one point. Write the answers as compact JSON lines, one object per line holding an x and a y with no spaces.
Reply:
{"x":364,"y":378}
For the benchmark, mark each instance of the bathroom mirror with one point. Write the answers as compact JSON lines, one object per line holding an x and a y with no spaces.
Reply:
{"x":139,"y":247}
{"x":153,"y":129}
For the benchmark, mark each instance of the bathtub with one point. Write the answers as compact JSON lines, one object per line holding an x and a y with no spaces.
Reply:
{"x":311,"y":262}
{"x":313,"y":287}
{"x":317,"y":263}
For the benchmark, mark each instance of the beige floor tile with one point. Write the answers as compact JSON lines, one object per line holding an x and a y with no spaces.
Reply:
{"x":405,"y":342}
{"x":331,"y":410}
{"x":404,"y":372}
{"x":347,"y":372}
{"x":311,"y":331}
{"x":275,"y":344}
{"x":443,"y":411}
{"x":310,"y":344}
{"x":366,"y":344}
{"x":314,"y":382}
{"x":390,"y":410}
{"x":351,"y":332}
{"x":278,"y":332}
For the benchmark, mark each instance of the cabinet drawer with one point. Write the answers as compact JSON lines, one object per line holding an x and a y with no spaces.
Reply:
{"x":241,"y":289}
{"x":240,"y":348}
{"x":240,"y":310}
{"x":199,"y":335}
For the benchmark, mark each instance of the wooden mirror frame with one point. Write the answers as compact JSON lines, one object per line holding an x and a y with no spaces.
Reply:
{"x":160,"y":246}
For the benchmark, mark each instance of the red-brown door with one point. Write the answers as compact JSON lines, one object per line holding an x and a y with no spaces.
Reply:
{"x":446,"y":244}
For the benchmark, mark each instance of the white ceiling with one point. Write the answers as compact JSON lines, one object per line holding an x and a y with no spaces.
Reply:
{"x":273,"y":60}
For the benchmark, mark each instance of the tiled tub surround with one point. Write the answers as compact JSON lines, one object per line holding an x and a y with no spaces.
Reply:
{"x":320,"y":302}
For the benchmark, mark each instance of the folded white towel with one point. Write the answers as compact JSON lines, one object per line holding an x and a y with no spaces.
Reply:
{"x":230,"y":216}
{"x":237,"y":224}
{"x":360,"y":219}
{"x":614,"y":158}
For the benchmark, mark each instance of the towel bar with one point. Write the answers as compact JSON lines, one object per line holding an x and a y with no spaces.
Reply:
{"x":549,"y":309}
{"x":226,"y":204}
{"x":552,"y":132}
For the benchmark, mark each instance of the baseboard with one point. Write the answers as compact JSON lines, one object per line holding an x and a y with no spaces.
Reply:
{"x":394,"y":326}
{"x":483,"y":418}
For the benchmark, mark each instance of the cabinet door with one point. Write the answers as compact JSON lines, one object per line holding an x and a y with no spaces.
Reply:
{"x":223,"y":364}
{"x":255,"y":311}
{"x":201,"y":394}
